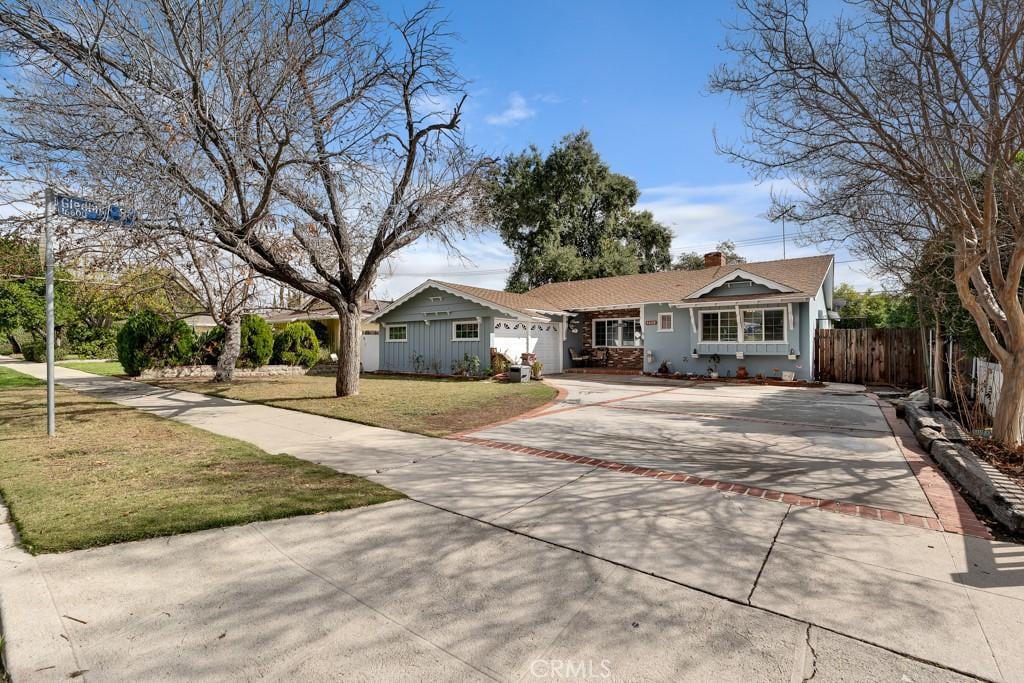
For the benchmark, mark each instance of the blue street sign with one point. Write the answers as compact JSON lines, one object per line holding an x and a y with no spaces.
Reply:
{"x":88,"y":210}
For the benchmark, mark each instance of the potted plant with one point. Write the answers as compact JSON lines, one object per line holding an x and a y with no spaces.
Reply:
{"x":536,"y":369}
{"x":741,"y":372}
{"x":713,"y":368}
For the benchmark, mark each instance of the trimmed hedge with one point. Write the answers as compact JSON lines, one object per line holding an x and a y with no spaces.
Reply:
{"x":148,"y":340}
{"x":257,"y":346}
{"x":35,"y":352}
{"x":296,"y":344}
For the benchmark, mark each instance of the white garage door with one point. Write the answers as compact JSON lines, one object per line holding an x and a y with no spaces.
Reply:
{"x":545,"y":340}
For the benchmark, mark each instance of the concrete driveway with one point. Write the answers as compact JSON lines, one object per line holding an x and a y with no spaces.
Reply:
{"x":508,"y":563}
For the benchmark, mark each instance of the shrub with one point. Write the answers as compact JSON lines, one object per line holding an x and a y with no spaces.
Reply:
{"x":257,"y":342}
{"x":209,"y":345}
{"x":147,"y":340}
{"x":35,"y":352}
{"x":323,"y":334}
{"x":296,"y":344}
{"x":104,"y":347}
{"x":91,"y":341}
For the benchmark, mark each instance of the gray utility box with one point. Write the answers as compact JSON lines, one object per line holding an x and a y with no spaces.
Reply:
{"x":519,"y":373}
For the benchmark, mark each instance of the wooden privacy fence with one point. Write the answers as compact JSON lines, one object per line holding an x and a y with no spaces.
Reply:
{"x":870,"y":356}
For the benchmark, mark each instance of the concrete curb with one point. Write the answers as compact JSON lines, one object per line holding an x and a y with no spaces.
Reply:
{"x":1000,"y":495}
{"x":39,"y":649}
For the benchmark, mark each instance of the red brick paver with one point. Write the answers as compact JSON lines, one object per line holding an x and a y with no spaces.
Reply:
{"x":954,"y":524}
{"x":954,"y":514}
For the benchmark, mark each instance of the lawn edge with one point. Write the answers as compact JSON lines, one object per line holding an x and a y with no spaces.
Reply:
{"x":13,"y":520}
{"x":560,"y":395}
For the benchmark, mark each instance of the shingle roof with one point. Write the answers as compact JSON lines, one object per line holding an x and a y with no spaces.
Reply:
{"x":524,"y":303}
{"x":804,"y":275}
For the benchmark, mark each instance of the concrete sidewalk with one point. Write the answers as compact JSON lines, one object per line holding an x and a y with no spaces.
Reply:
{"x":501,"y":561}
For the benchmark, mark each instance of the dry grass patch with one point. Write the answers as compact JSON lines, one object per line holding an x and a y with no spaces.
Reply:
{"x":117,"y":474}
{"x":435,"y":407}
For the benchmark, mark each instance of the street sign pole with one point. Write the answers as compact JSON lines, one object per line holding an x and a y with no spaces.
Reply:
{"x":51,"y":409}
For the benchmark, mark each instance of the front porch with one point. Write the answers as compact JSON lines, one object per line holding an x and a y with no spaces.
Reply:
{"x":609,"y":342}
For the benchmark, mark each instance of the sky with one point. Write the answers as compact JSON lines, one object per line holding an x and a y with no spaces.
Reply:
{"x":635,"y":75}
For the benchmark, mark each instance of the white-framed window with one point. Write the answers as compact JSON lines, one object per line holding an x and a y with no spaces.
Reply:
{"x":665,"y":322}
{"x":466,"y":330}
{"x":718,"y":326}
{"x":396,"y":333}
{"x":617,"y":332}
{"x":764,"y":325}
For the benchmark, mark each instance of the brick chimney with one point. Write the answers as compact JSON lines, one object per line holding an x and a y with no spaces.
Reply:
{"x":714,"y":259}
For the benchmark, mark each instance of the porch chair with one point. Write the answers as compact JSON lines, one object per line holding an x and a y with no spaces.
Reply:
{"x":601,"y":357}
{"x":578,"y":358}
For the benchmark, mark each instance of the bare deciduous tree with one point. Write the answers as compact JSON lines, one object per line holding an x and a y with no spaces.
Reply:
{"x":313,"y":142}
{"x":901,"y":121}
{"x":222,"y":284}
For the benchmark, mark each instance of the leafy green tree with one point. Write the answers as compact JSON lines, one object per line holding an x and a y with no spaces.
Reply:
{"x":874,"y":309}
{"x":567,"y":216}
{"x":22,"y":292}
{"x":691,"y":260}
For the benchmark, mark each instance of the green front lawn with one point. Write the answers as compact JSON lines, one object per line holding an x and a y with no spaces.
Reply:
{"x":435,"y":407}
{"x":117,"y":474}
{"x":109,"y":368}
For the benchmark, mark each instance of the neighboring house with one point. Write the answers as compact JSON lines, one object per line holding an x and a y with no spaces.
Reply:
{"x":320,"y":312}
{"x":766,"y":311}
{"x":201,"y":323}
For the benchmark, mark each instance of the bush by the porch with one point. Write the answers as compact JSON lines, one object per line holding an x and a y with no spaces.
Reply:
{"x":296,"y":344}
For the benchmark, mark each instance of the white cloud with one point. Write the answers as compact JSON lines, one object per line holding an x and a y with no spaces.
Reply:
{"x":487,"y":262}
{"x":700,"y":216}
{"x":518,"y":110}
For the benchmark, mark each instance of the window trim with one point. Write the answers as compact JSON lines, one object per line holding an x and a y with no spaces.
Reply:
{"x":739,"y":326}
{"x":387,"y":333}
{"x":593,"y":333}
{"x":466,"y":321}
{"x":718,"y":312}
{"x":785,"y":328}
{"x":671,"y":321}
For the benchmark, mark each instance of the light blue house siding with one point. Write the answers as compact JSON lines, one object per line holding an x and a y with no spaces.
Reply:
{"x":429,"y":347}
{"x":677,"y":346}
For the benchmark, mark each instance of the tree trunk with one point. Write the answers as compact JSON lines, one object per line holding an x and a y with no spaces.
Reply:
{"x":1007,"y":424}
{"x":349,"y":352}
{"x":938,"y":362}
{"x":15,"y":346}
{"x":232,"y":347}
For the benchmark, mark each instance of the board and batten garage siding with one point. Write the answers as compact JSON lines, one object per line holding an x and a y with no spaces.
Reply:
{"x":432,"y":343}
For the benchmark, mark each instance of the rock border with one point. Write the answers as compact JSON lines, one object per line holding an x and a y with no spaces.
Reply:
{"x":1000,"y":495}
{"x":177,"y":371}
